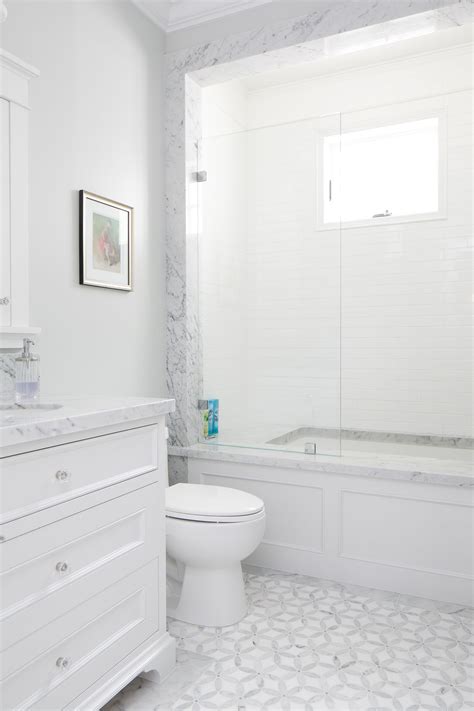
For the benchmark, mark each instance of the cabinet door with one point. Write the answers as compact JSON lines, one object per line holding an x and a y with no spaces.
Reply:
{"x":5,"y":290}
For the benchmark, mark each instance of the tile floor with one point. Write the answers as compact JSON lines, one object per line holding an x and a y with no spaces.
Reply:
{"x":312,"y":644}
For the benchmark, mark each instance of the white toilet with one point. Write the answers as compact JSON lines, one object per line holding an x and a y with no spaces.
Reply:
{"x":209,"y":531}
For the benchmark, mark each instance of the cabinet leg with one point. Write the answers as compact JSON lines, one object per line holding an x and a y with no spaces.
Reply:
{"x":162,"y":663}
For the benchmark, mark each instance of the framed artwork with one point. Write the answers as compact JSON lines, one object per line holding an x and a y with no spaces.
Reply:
{"x":105,"y":242}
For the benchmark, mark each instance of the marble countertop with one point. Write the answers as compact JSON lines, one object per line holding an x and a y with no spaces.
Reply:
{"x":422,"y":470}
{"x":75,"y":415}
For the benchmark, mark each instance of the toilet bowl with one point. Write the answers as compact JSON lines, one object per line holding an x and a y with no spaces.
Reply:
{"x":209,"y":531}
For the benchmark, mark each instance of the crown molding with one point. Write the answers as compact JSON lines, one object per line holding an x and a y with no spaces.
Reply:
{"x":172,"y":15}
{"x":185,"y":14}
{"x":17,"y":65}
{"x":157,"y":12}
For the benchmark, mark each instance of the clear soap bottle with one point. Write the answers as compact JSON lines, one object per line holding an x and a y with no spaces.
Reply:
{"x":27,"y":375}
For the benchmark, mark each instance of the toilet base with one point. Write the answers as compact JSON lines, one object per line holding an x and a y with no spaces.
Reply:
{"x":210,"y":597}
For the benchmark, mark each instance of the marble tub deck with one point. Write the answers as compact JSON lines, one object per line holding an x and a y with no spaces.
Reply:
{"x":422,"y":470}
{"x":313,"y":644}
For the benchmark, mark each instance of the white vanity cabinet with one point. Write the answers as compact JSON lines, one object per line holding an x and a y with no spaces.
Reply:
{"x":15,"y":76}
{"x":83,"y":566}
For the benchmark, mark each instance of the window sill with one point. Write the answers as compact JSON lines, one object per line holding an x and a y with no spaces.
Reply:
{"x":381,"y":221}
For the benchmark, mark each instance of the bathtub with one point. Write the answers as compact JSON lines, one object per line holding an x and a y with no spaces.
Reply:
{"x":354,"y":442}
{"x":382,"y":515}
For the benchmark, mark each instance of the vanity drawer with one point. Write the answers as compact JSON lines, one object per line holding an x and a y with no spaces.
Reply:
{"x":40,"y":479}
{"x":63,"y":658}
{"x":49,"y":571}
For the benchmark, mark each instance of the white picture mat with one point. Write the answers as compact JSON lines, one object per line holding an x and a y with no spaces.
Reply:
{"x":91,"y":274}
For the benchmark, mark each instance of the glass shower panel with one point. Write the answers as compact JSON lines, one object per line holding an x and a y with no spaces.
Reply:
{"x":269,"y":285}
{"x":406,"y":245}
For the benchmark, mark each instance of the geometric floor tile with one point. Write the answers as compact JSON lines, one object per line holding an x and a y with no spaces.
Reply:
{"x":311,"y":644}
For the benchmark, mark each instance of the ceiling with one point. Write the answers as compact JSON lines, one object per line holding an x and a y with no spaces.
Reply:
{"x":173,"y":15}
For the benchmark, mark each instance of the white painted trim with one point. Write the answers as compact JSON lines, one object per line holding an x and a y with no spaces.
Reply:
{"x":158,"y":17}
{"x":157,"y":656}
{"x":283,"y":483}
{"x":180,"y":15}
{"x":15,"y":64}
{"x":433,"y":571}
{"x":400,"y":566}
{"x":11,"y":337}
{"x":426,"y":578}
{"x":14,"y":85}
{"x":195,"y":17}
{"x":405,"y":111}
{"x":267,"y":481}
{"x":292,"y":546}
{"x":19,"y":217}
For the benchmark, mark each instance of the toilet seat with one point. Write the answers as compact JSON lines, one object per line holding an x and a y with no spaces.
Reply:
{"x":212,"y":504}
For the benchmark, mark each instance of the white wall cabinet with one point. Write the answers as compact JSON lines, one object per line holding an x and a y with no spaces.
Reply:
{"x":82,"y":577}
{"x":5,"y":293}
{"x":14,"y":111}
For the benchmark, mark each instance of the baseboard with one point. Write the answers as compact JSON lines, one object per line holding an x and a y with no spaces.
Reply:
{"x":406,"y":581}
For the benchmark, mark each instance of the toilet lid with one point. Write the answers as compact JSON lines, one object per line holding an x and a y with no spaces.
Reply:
{"x":201,"y":500}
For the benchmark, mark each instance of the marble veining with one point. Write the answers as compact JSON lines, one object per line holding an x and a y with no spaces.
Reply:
{"x":416,"y":469}
{"x":7,"y":376}
{"x":335,"y":28}
{"x":315,"y":645}
{"x":372,"y":436}
{"x":76,"y":415}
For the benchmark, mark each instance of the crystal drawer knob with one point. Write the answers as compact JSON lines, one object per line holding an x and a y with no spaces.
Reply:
{"x":63,"y":475}
{"x":62,"y":567}
{"x":4,"y":301}
{"x":63,"y":662}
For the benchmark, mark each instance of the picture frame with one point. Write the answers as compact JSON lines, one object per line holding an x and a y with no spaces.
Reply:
{"x":105,"y":242}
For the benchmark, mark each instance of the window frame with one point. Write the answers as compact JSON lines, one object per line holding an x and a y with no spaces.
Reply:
{"x":379,"y":118}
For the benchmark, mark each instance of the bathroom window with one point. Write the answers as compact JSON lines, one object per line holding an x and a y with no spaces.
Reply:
{"x":383,"y":174}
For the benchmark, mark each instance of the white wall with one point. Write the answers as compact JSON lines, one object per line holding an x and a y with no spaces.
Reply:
{"x":96,"y":124}
{"x":406,"y":288}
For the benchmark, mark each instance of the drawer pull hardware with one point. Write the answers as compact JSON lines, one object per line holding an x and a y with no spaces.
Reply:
{"x":63,"y":662}
{"x":62,"y":567}
{"x":62,"y":475}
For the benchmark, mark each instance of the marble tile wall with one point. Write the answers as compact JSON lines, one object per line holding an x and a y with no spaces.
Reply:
{"x":290,"y":42}
{"x":7,"y":376}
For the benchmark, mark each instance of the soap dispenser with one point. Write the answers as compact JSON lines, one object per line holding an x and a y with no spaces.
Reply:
{"x":27,"y":375}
